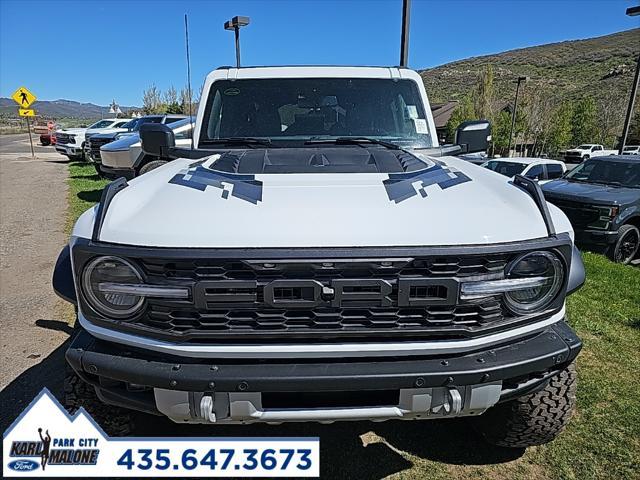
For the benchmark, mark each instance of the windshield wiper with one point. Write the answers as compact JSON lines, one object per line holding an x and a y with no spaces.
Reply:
{"x":353,"y":141}
{"x":250,"y":141}
{"x":580,"y":180}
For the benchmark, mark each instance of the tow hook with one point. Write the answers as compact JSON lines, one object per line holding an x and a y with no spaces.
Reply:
{"x":206,"y":409}
{"x":452,"y":404}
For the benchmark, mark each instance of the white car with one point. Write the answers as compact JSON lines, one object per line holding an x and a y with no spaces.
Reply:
{"x":71,"y":141}
{"x":587,"y":151}
{"x":318,"y":256}
{"x":124,"y":157}
{"x":541,"y":170}
{"x":631,"y":150}
{"x":105,"y":126}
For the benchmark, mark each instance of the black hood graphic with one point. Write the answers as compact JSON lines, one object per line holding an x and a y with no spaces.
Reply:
{"x":245,"y":187}
{"x":400,"y":186}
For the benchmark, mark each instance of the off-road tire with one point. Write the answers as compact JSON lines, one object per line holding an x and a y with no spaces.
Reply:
{"x":623,"y":254}
{"x":532,"y":419}
{"x":151,"y":165}
{"x":115,"y":421}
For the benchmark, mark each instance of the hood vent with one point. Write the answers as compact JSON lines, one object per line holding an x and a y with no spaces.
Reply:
{"x":351,"y":159}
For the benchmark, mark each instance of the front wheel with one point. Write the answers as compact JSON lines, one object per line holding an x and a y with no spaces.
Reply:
{"x":626,"y":246}
{"x":115,"y":421}
{"x":532,"y":419}
{"x":151,"y":166}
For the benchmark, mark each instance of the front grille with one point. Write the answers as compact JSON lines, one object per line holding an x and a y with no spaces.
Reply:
{"x":174,"y":320}
{"x":377,"y":297}
{"x":64,"y":138}
{"x":95,"y":144}
{"x":580,"y":215}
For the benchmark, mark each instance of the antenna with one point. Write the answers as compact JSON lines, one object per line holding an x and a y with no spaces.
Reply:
{"x":186,"y":34}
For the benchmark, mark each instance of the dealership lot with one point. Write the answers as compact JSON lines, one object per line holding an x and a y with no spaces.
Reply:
{"x":33,"y":205}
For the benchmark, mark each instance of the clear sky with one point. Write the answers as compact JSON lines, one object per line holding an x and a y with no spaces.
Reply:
{"x":96,"y":51}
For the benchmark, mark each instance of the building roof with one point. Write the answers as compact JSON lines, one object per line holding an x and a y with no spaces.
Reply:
{"x":442,"y":112}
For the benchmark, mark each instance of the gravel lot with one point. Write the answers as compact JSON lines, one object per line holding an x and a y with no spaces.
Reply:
{"x":33,"y":205}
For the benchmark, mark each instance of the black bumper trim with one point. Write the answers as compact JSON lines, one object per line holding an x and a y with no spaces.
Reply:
{"x":105,"y":364}
{"x":115,"y":173}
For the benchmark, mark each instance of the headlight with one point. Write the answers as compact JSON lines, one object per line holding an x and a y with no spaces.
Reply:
{"x":606,"y":214}
{"x":98,"y":279}
{"x":543,"y":273}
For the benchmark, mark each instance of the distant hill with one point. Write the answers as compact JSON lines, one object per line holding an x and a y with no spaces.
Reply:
{"x":59,"y":109}
{"x":597,"y":66}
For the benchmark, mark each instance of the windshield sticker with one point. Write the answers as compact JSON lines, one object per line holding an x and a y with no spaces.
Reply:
{"x":401,"y":186}
{"x":421,"y":125}
{"x":412,"y":110}
{"x":244,"y":187}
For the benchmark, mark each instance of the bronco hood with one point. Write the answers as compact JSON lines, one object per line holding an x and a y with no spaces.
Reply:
{"x":446,"y":201}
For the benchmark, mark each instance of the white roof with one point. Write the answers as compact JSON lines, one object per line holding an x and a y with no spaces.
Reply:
{"x":526,"y":160}
{"x":313,"y":72}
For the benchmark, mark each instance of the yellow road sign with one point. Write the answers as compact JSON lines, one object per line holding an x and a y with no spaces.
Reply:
{"x":23,"y":97}
{"x":27,"y":112}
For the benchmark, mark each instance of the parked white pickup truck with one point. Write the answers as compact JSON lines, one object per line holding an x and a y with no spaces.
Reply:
{"x":586,"y":151}
{"x":71,"y":141}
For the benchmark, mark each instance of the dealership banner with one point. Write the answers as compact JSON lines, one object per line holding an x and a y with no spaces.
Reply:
{"x":45,"y":441}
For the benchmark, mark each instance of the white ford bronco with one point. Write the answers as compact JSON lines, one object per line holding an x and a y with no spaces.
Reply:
{"x":318,"y":256}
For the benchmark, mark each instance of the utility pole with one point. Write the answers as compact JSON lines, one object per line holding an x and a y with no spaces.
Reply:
{"x":515,"y":111}
{"x":632,"y":12}
{"x":404,"y":39}
{"x":235,"y":24}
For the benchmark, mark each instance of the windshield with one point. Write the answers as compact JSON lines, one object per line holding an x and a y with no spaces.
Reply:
{"x":182,"y":122}
{"x":131,"y":124}
{"x":585,"y":147}
{"x":102,"y":124}
{"x":608,"y":172}
{"x":508,"y":169}
{"x":290,"y":111}
{"x":143,"y":120}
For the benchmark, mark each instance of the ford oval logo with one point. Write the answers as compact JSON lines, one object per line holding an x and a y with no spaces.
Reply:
{"x":23,"y":465}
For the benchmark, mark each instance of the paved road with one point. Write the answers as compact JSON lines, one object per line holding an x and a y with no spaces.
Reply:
{"x":33,"y":205}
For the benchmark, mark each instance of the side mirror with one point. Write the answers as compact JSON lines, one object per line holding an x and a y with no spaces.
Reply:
{"x":157,"y":139}
{"x":473,"y":136}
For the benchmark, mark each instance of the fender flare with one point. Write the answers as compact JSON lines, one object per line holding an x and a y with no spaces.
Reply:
{"x":577,"y":274}
{"x":63,"y":277}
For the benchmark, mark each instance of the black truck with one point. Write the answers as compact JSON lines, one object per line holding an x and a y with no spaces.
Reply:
{"x":601,"y":197}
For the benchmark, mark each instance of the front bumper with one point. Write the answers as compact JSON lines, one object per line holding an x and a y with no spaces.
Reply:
{"x":69,"y":150}
{"x":113,"y":173}
{"x":602,"y":238}
{"x":243,"y":391}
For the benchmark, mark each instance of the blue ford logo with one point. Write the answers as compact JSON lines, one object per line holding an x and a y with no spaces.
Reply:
{"x":23,"y":465}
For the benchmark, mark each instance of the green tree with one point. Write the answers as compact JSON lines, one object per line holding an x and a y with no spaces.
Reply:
{"x":463,"y":112}
{"x":500,"y":129}
{"x":584,"y":122}
{"x":171,"y":101}
{"x":560,"y":129}
{"x":484,"y":95}
{"x":152,"y":101}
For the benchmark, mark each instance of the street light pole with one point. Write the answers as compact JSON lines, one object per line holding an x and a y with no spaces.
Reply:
{"x":235,"y":24}
{"x":515,"y":111}
{"x":632,"y":12}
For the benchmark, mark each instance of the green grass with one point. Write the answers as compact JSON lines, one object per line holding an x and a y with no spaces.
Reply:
{"x":85,"y":188}
{"x":601,"y":441}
